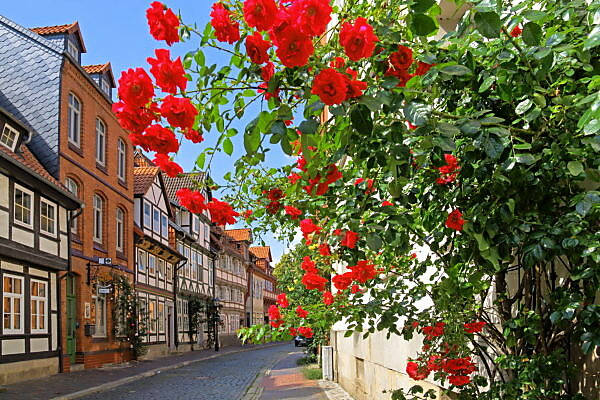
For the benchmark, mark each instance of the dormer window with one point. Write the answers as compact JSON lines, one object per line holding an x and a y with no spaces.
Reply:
{"x":9,"y":136}
{"x":73,"y":50}
{"x":105,"y":86}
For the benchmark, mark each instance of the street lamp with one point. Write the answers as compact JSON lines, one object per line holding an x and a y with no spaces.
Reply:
{"x":216,"y":319}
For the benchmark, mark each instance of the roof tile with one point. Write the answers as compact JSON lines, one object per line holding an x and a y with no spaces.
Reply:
{"x":51,"y":30}
{"x":261,"y":252}
{"x":239,"y":234}
{"x":143,"y":178}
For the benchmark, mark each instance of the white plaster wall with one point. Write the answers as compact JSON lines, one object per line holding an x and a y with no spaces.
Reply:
{"x":13,"y":346}
{"x":38,"y":344}
{"x":48,"y":246}
{"x":64,"y":247}
{"x":11,"y":266}
{"x":4,"y":224}
{"x":38,"y":272}
{"x":4,"y":200}
{"x":21,"y":236}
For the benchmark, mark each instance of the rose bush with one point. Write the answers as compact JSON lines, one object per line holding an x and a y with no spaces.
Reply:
{"x":480,"y":145}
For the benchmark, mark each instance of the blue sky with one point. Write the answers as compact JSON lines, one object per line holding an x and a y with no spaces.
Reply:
{"x":116,"y":31}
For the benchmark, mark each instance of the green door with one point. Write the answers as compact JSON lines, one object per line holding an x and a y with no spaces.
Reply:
{"x":71,"y":318}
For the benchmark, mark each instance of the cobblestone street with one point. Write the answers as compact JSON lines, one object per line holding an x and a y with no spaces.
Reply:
{"x":222,"y":378}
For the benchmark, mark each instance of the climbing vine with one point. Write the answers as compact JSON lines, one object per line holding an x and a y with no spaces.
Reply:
{"x":129,"y":324}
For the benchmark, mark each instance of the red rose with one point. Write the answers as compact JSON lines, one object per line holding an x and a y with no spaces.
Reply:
{"x":293,"y":47}
{"x":275,"y":194}
{"x":448,"y":172}
{"x":308,"y":265}
{"x":226,"y":30}
{"x":307,"y":227}
{"x":331,"y":87}
{"x":423,"y":68}
{"x":293,"y":212}
{"x":415,"y":372}
{"x":401,"y":74}
{"x":267,"y":71}
{"x":324,"y":249}
{"x":333,"y":174}
{"x":363,"y":271}
{"x":247,"y":214}
{"x":160,"y":139}
{"x":401,"y":59}
{"x":386,"y":203}
{"x":459,"y":380}
{"x":337,"y":62}
{"x":311,"y":16}
{"x":259,"y":13}
{"x":305,"y":331}
{"x":342,"y":281}
{"x":474,"y":327}
{"x":350,"y":239}
{"x":169,"y":167}
{"x":169,"y":75}
{"x":274,"y":313}
{"x":293,"y":331}
{"x":163,"y":23}
{"x":358,"y":39}
{"x":455,"y":220}
{"x":311,"y":281}
{"x":294,"y":177}
{"x":179,"y":111}
{"x":264,"y":88}
{"x":276,"y":323}
{"x":256,"y":48}
{"x":301,"y":313}
{"x":458,"y":366}
{"x":192,"y":200}
{"x":134,"y":118}
{"x":282,"y":300}
{"x":193,"y":136}
{"x":273,"y":207}
{"x":434,"y":331}
{"x":135,"y":87}
{"x":221,"y":213}
{"x":328,"y":298}
{"x":516,"y":31}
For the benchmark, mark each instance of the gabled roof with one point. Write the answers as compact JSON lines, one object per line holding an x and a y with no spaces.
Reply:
{"x":143,"y":178}
{"x":57,"y":29}
{"x":239,"y":234}
{"x":100,"y":69}
{"x":188,"y":180}
{"x":262,"y":252}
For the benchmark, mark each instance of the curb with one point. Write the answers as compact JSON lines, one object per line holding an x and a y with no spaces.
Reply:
{"x":110,"y":385}
{"x":255,"y":389}
{"x":333,"y":390}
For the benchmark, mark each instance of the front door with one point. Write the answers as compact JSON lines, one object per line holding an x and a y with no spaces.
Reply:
{"x":71,"y":318}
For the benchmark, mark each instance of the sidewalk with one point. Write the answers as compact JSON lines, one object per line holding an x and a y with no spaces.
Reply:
{"x":77,"y":384}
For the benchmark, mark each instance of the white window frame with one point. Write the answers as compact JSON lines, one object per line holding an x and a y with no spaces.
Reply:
{"x":160,"y":267}
{"x":100,"y":142}
{"x":151,"y":265}
{"x":120,"y":229}
{"x":73,"y":188}
{"x":12,"y":296}
{"x":152,"y":309}
{"x":104,"y":85}
{"x":74,"y":113}
{"x":8,"y":132}
{"x":160,"y":312}
{"x":147,"y":217}
{"x":195,"y":223}
{"x":169,"y":271}
{"x":164,"y":225}
{"x":31,"y":207}
{"x":98,"y":208}
{"x":156,"y":220}
{"x":39,"y":300}
{"x":142,"y":261}
{"x":121,"y":159}
{"x":72,"y":49}
{"x":54,"y":220}
{"x":100,"y":329}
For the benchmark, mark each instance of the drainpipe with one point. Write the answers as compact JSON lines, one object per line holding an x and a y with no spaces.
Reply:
{"x":70,"y":219}
{"x":175,"y":284}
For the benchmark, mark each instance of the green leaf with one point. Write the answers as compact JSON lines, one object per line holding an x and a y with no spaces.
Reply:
{"x":417,"y":113}
{"x":421,"y":6}
{"x":423,"y":25}
{"x":493,"y":147}
{"x":390,"y":82}
{"x":456,"y":70}
{"x":248,"y":93}
{"x":228,"y":146}
{"x":534,"y":15}
{"x":488,"y":24}
{"x":593,"y":38}
{"x":374,"y":241}
{"x":525,"y":158}
{"x":361,"y":119}
{"x":199,"y":57}
{"x":523,"y":106}
{"x":251,"y":141}
{"x":308,"y":126}
{"x":532,"y":34}
{"x":445,"y":143}
{"x":286,"y":146}
{"x":575,"y":168}
{"x":481,"y":242}
{"x":201,"y":160}
{"x":487,"y":83}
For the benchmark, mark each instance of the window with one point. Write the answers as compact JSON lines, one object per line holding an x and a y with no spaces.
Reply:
{"x":161,"y":317}
{"x":100,"y":304}
{"x":151,"y":264}
{"x":152,"y":316}
{"x":142,"y":261}
{"x":147,"y":215}
{"x":23,"y":206}
{"x":121,"y":163}
{"x":73,"y":187}
{"x":12,"y":303}
{"x":73,"y":50}
{"x":156,"y":220}
{"x":143,"y":313}
{"x":161,"y":267}
{"x":120,"y":229}
{"x":186,"y":253}
{"x":9,"y":136}
{"x":100,"y":142}
{"x":47,"y":217}
{"x":206,"y":233}
{"x":104,"y":85}
{"x":185,"y":320}
{"x":39,"y":296}
{"x":74,"y":122}
{"x":164,"y":222}
{"x":195,"y":223}
{"x":98,"y":218}
{"x":169,"y":272}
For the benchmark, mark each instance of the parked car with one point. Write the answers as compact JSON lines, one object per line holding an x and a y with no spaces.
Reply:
{"x":300,"y":341}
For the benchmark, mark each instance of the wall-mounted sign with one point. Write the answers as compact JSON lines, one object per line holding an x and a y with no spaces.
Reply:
{"x":87,"y":314}
{"x":104,"y":289}
{"x":105,"y":261}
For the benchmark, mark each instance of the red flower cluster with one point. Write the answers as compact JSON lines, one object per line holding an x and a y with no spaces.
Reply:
{"x":433,"y":331}
{"x":474,"y":327}
{"x":333,"y":174}
{"x":259,"y":13}
{"x":305,"y":331}
{"x":455,"y":220}
{"x":256,"y":48}
{"x":448,"y":172}
{"x":309,"y":265}
{"x":324,"y":249}
{"x":275,"y":318}
{"x":163,"y":23}
{"x":169,"y":167}
{"x":363,"y":271}
{"x":169,"y":74}
{"x":307,"y":227}
{"x":334,"y":87}
{"x":350,"y":239}
{"x":282,"y":300}
{"x":301,"y":313}
{"x":342,"y":281}
{"x":192,"y":200}
{"x":221,"y":213}
{"x":401,"y":61}
{"x":179,"y":111}
{"x":226,"y":30}
{"x":516,"y":31}
{"x":274,"y":195}
{"x":358,"y":39}
{"x":293,"y":212}
{"x":312,"y":280}
{"x":328,"y":298}
{"x":156,"y":138}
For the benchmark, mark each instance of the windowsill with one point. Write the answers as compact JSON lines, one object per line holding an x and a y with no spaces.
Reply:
{"x":76,"y":149}
{"x":122,"y":183}
{"x":99,"y":339}
{"x":22,"y":224}
{"x":75,"y":238}
{"x":98,"y":246}
{"x":102,"y":168}
{"x":47,"y":234}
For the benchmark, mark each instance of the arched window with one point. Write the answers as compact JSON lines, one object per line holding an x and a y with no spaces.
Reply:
{"x":73,"y":187}
{"x":100,"y":142}
{"x":98,"y":218}
{"x":74,"y":120}
{"x":120,"y":225}
{"x":121,"y":159}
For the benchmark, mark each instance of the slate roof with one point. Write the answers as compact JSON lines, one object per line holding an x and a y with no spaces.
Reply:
{"x":30,"y":71}
{"x":187,"y":180}
{"x":143,"y":178}
{"x":239,"y":234}
{"x":261,"y":252}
